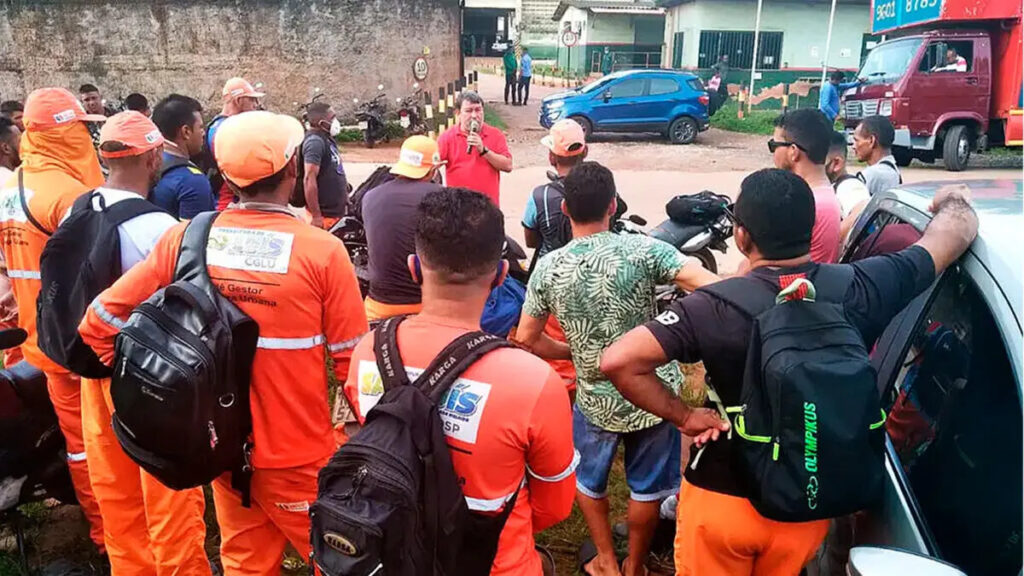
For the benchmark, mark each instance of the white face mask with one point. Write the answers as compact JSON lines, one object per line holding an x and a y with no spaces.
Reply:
{"x":335,"y":128}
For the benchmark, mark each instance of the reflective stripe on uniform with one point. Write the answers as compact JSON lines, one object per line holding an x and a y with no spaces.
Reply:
{"x":346,"y":345}
{"x":23,"y":275}
{"x":76,"y":456}
{"x":561,"y":475}
{"x":105,"y":314}
{"x":291,"y":343}
{"x":492,"y":505}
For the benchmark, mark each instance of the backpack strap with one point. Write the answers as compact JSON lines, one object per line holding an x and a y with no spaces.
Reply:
{"x":749,"y":295}
{"x":125,"y":210}
{"x":24,"y":204}
{"x":385,"y":349}
{"x":191,"y":265}
{"x":171,"y":162}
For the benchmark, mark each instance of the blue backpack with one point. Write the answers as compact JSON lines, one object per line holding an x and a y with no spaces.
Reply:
{"x":503,"y":308}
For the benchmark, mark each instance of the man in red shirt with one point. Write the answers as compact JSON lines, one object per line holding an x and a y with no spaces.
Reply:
{"x":476,"y":158}
{"x":507,"y":419}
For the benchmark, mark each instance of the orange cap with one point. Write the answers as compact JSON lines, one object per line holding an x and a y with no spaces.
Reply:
{"x":133,"y":130}
{"x":49,"y":107}
{"x":254,"y":145}
{"x":419,"y":154}
{"x":566,"y":138}
{"x":239,"y":87}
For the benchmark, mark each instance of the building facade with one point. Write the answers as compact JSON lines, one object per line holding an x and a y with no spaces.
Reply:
{"x":792,"y":43}
{"x":633,"y":33}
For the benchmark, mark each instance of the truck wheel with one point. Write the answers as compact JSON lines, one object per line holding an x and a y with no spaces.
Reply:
{"x":956,"y":149}
{"x":903,"y":156}
{"x":682,"y":130}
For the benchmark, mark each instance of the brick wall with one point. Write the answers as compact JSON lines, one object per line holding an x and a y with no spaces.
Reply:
{"x":344,"y":47}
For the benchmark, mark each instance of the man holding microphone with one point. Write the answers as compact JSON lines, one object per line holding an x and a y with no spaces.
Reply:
{"x":476,"y":153}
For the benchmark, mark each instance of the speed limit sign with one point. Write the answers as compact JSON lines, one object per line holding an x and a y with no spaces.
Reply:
{"x":569,"y":38}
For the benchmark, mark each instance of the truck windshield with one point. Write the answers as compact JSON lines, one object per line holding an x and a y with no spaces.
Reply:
{"x":888,"y":61}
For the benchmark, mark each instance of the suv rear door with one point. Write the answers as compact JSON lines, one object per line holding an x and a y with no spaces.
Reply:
{"x":664,"y":94}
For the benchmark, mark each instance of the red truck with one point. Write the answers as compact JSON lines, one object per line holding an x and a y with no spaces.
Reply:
{"x":948,"y":75}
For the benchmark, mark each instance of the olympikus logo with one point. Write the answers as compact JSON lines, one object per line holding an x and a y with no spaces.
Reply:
{"x":811,"y":452}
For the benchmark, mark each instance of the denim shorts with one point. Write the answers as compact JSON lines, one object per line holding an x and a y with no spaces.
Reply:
{"x":652,"y":459}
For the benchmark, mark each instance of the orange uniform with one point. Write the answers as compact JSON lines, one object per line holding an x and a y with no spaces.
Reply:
{"x":299,"y":285}
{"x":58,"y":165}
{"x":507,"y":418}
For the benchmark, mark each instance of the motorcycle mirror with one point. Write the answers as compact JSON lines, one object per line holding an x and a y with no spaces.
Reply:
{"x":552,"y":175}
{"x":636,"y":220}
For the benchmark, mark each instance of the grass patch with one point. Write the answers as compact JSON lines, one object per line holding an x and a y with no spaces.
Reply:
{"x":492,"y":118}
{"x":756,"y":122}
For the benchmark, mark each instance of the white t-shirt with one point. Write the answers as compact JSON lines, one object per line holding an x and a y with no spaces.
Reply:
{"x":4,"y":175}
{"x":139,"y":235}
{"x":850,"y":192}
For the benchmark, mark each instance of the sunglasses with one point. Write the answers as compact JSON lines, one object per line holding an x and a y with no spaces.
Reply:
{"x":774,"y":145}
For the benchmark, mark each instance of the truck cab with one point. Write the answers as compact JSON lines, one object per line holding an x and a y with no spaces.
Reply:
{"x":948,"y":91}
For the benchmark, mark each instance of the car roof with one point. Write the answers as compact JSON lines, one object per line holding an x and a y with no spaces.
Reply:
{"x":654,"y":71}
{"x":998,"y":204}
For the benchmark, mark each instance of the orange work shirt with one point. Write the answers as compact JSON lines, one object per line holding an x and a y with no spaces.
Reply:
{"x":507,"y":418}
{"x":298,"y":284}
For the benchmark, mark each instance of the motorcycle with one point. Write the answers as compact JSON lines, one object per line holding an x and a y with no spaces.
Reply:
{"x":409,"y":112}
{"x":370,"y":115}
{"x":33,"y":461}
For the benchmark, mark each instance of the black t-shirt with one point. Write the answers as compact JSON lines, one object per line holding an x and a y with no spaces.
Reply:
{"x":332,"y":186}
{"x":389,"y":216}
{"x":701,"y":327}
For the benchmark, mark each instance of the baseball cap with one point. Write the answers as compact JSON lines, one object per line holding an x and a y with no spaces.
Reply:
{"x":566,"y":138}
{"x":50,"y":107}
{"x":419,"y":154}
{"x":255,"y":145}
{"x":238,"y":87}
{"x":132,"y":129}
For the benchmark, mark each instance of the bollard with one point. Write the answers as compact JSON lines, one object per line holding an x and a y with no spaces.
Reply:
{"x":740,"y":98}
{"x":451,"y":97}
{"x":785,"y":98}
{"x":476,"y":81}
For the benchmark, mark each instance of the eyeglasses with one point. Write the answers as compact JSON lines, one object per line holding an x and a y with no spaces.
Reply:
{"x":774,"y":145}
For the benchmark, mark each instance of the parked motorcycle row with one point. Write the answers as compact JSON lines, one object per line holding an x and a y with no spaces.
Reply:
{"x":372,"y":115}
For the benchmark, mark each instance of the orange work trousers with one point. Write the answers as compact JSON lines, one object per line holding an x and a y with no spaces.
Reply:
{"x":253,"y":539}
{"x":149,"y":529}
{"x":722,"y":535}
{"x":65,"y":393}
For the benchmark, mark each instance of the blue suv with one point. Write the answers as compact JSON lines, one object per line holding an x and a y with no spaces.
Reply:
{"x":666,"y":101}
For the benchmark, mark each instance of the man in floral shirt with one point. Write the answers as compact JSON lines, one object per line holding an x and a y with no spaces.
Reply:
{"x":600,"y":286}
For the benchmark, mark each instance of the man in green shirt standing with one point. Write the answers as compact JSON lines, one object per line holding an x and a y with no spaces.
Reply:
{"x":510,"y":75}
{"x":606,"y":62}
{"x":599,"y":286}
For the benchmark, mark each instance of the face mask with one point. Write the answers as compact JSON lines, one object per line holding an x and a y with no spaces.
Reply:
{"x":335,"y":128}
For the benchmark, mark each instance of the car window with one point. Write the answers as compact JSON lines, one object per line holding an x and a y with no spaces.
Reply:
{"x":629,"y":88}
{"x":885,"y":233}
{"x":661,"y":86}
{"x":945,"y":57}
{"x":955,"y":423}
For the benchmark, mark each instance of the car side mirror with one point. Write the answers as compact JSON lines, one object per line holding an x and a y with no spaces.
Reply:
{"x":879,"y":561}
{"x":639,"y":221}
{"x":607,"y":95}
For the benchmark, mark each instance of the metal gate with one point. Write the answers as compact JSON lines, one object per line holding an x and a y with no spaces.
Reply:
{"x":739,"y":46}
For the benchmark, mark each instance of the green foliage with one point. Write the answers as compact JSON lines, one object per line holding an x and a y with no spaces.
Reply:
{"x":756,"y":122}
{"x":492,"y":118}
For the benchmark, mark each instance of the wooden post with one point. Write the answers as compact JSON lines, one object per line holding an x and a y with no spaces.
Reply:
{"x":428,"y":116}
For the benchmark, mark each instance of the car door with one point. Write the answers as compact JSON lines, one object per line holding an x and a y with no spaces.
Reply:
{"x":664,"y":94}
{"x":950,"y":386}
{"x":935,"y":92}
{"x":616,"y":107}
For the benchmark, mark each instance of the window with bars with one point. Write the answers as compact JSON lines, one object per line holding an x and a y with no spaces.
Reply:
{"x":739,"y":45}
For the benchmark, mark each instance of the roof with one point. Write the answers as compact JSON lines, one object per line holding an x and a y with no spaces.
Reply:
{"x":609,"y":7}
{"x":998,"y":204}
{"x":811,"y":4}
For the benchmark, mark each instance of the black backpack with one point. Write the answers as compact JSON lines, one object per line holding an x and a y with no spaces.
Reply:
{"x":389,"y":501}
{"x":701,"y":208}
{"x":182,"y":366}
{"x":810,"y":423}
{"x":207,"y":161}
{"x":80,"y":260}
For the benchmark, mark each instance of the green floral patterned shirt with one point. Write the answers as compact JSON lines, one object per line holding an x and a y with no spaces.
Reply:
{"x":599,"y":287}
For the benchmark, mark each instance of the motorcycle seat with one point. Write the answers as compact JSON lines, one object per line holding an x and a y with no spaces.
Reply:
{"x":676,"y":233}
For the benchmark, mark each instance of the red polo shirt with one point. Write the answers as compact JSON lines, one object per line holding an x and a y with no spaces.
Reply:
{"x":472,"y":170}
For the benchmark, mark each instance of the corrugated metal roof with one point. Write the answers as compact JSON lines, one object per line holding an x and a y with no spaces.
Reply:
{"x":629,"y":6}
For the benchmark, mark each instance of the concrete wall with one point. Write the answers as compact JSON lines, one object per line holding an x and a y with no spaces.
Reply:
{"x":804,"y":26}
{"x":344,"y":47}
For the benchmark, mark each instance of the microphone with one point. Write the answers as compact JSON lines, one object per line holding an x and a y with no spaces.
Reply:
{"x":12,"y":337}
{"x":474,"y":128}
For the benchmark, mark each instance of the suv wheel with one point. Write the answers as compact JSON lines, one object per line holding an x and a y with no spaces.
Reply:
{"x":682,"y":130}
{"x":588,"y":128}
